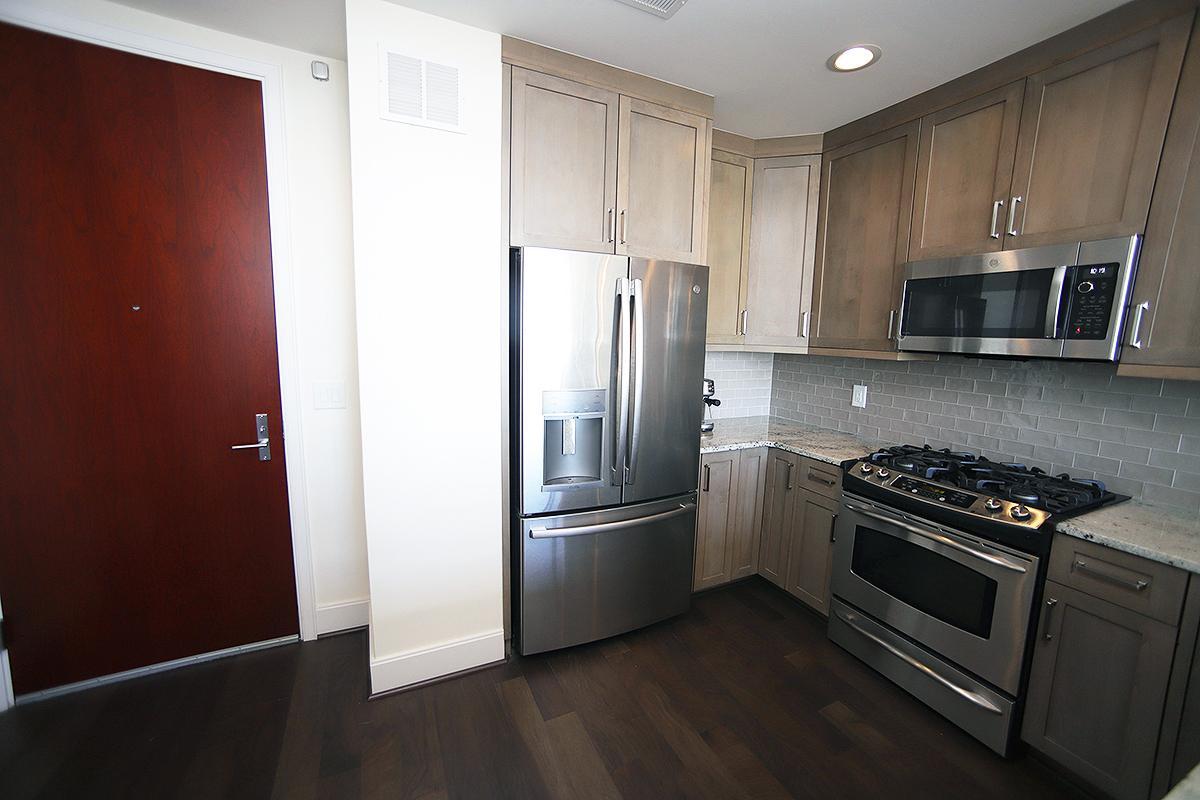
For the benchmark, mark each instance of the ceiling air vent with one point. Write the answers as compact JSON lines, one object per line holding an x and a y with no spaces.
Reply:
{"x":419,"y":92}
{"x":659,"y":8}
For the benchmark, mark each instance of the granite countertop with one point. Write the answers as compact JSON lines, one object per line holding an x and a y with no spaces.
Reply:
{"x":1154,"y":532}
{"x":1188,"y":788}
{"x":822,"y":444}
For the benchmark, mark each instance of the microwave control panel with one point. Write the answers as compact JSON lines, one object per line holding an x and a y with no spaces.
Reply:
{"x":1093,"y":288}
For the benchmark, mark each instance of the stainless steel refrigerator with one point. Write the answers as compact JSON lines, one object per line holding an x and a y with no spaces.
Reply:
{"x":607,"y":365}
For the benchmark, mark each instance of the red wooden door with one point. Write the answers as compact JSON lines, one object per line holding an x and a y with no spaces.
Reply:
{"x":137,"y":342}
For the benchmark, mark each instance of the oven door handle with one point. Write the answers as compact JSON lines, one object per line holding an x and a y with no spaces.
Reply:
{"x":962,"y":692}
{"x":999,"y":561}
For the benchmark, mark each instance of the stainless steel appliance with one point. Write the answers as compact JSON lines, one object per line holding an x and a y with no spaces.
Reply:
{"x":938,"y":565}
{"x":1059,"y":301}
{"x":607,"y":356}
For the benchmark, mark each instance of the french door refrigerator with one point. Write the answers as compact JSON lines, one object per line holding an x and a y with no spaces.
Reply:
{"x":607,"y":366}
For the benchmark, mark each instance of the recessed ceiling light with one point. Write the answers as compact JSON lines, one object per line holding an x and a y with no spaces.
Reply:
{"x":854,"y":58}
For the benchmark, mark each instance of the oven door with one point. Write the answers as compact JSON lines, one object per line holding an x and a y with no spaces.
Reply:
{"x":1007,"y":303}
{"x":968,"y":600}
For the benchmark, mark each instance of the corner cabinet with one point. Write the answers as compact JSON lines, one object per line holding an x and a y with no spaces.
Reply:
{"x":729,"y":204}
{"x":862,"y":240}
{"x":1163,"y":338}
{"x":592,"y":169}
{"x":730,"y":516}
{"x":783,"y":232}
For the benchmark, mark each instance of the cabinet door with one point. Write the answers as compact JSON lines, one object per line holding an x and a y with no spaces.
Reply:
{"x":862,"y":239}
{"x":811,"y":552}
{"x":662,"y":164}
{"x":1091,"y":134}
{"x":716,"y":518}
{"x":563,"y":163}
{"x":1096,"y":690}
{"x":728,"y":245}
{"x":777,"y":516}
{"x":1165,"y":322}
{"x":783,"y":236}
{"x":964,"y":172}
{"x":744,"y":543}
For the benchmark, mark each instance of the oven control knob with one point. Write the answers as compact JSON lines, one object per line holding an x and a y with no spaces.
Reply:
{"x":1020,"y":513}
{"x":993,"y":504}
{"x":1086,"y":287}
{"x":883,"y":473}
{"x":865,"y":469}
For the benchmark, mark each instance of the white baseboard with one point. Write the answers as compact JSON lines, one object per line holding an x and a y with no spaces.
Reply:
{"x":405,"y":669}
{"x":333,"y":617}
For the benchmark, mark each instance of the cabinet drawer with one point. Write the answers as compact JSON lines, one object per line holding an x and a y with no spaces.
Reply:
{"x":1129,"y":581}
{"x":824,"y":479}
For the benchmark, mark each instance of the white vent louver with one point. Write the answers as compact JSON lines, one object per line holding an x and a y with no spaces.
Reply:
{"x":419,"y":92}
{"x":659,"y":8}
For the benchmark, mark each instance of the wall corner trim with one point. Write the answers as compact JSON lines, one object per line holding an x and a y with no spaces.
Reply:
{"x":416,"y":666}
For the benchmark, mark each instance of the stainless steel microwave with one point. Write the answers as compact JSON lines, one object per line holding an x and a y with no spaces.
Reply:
{"x":1059,"y":301}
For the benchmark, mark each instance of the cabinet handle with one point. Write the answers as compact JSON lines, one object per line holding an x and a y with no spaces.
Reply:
{"x":996,"y":206}
{"x":706,"y":475}
{"x":833,"y":528}
{"x":610,"y":224}
{"x":623,"y":224}
{"x":744,"y":314}
{"x":891,"y":323}
{"x":804,"y":315}
{"x":789,"y":476}
{"x":1050,"y":604}
{"x":1137,"y":586}
{"x":812,"y":476}
{"x":1012,"y":215}
{"x":1135,"y":336}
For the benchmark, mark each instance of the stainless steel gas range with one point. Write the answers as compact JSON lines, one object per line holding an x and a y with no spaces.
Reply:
{"x":938,"y":564}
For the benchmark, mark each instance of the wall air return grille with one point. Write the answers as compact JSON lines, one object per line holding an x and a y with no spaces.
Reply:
{"x":659,"y":8}
{"x":419,"y":92}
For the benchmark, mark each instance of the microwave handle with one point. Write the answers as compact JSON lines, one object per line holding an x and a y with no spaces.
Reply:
{"x":1054,"y":302}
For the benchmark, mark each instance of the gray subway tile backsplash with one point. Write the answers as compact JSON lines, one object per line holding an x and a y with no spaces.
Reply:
{"x":1140,"y":436}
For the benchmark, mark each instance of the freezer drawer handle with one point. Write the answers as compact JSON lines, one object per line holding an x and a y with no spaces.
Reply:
{"x":607,"y":527}
{"x":962,"y":692}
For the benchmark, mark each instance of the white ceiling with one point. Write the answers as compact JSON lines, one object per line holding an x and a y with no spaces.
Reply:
{"x":763,"y":60}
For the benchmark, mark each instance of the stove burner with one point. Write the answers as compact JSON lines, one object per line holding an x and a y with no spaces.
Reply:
{"x":1057,"y":494}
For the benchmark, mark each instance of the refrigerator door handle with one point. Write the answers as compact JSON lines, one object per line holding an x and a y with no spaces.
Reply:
{"x":620,"y":435}
{"x":608,"y":527}
{"x":639,"y":377}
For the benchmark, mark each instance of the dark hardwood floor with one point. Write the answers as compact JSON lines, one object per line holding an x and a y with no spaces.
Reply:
{"x":741,"y":697}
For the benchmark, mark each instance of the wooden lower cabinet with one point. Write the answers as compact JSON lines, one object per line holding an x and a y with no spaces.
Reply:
{"x":811,"y":553}
{"x":729,"y":516}
{"x":777,"y":516}
{"x":1097,"y":689}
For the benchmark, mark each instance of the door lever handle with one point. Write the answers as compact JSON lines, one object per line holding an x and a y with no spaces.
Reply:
{"x":263,"y":445}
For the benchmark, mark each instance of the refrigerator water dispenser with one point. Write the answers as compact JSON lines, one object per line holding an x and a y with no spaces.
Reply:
{"x":572,"y":437}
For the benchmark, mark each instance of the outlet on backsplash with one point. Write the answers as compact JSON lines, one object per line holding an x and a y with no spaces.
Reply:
{"x":859,"y":399}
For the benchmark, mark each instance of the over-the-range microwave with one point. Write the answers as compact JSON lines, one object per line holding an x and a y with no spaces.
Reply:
{"x":1059,"y":301}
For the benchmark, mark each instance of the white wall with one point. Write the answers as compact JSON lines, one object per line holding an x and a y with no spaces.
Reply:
{"x":317,"y":154}
{"x":431,"y":283}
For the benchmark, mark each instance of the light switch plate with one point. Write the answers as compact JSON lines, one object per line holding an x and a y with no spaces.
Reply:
{"x":860,"y":396}
{"x":329,"y":394}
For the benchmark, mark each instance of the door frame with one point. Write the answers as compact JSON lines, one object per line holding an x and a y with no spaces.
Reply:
{"x":28,"y":15}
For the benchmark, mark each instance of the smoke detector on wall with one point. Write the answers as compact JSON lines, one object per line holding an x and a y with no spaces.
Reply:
{"x":659,"y":8}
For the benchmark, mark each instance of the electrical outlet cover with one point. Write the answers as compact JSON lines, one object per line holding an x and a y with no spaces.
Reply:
{"x":860,"y":396}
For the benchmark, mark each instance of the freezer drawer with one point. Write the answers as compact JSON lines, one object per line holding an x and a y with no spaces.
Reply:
{"x":591,"y":575}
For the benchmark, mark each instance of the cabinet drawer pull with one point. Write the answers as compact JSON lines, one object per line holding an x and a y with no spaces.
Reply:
{"x":1137,"y":586}
{"x":812,"y":476}
{"x":1047,"y":633}
{"x":995,"y":231}
{"x":706,"y":476}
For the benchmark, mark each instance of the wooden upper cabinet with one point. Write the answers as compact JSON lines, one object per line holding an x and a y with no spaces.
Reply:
{"x":729,"y":205}
{"x":563,"y":163}
{"x":1091,"y":134}
{"x":862,"y":239}
{"x":662,"y":167}
{"x":964,"y":171}
{"x":1164,"y":321}
{"x":783,"y":227}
